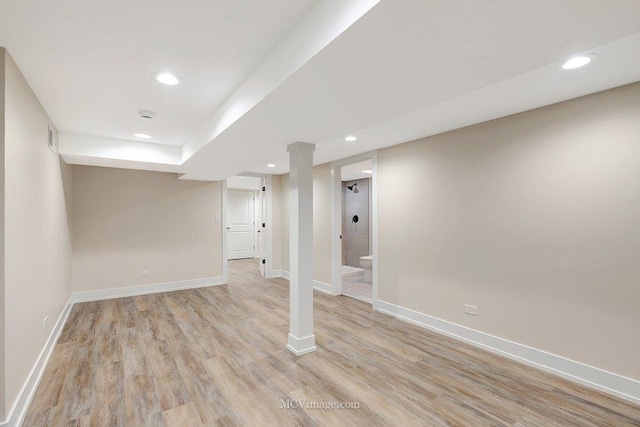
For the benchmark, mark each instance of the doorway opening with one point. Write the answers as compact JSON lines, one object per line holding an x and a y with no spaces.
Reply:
{"x":247,"y":220}
{"x":354,"y":215}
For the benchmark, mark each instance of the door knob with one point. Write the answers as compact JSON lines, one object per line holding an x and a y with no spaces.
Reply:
{"x":228,"y":228}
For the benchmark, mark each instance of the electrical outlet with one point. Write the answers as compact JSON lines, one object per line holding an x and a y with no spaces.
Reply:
{"x":45,"y":324}
{"x":145,"y":273}
{"x":471,"y":309}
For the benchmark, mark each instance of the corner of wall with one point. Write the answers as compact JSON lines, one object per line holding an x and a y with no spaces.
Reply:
{"x":31,"y":195}
{"x":161,"y":224}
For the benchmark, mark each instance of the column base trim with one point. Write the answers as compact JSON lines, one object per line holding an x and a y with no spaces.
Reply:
{"x":301,"y":346}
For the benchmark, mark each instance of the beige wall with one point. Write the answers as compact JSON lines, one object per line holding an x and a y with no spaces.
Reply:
{"x":284,"y":221}
{"x":127,"y":221}
{"x":534,"y":218}
{"x":37,"y":235}
{"x":321,"y":222}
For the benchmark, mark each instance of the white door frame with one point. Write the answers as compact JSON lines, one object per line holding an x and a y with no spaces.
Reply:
{"x":267,"y":238}
{"x":257,"y":228}
{"x":223,"y":208}
{"x":336,"y":221}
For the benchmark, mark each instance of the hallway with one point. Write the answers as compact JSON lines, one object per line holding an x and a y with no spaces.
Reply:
{"x":217,"y":356}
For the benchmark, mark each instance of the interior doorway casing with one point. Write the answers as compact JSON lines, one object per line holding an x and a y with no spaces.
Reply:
{"x":336,"y":222}
{"x":267,"y":230}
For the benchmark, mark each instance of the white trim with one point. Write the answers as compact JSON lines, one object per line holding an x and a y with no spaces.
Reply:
{"x":15,"y":417}
{"x":374,"y":217}
{"x":336,"y":227}
{"x":280,"y":274}
{"x":323,"y":287}
{"x":258,"y":250}
{"x":131,"y":291}
{"x":223,"y":214}
{"x":300,"y":346}
{"x":268,"y":194}
{"x":608,"y":382}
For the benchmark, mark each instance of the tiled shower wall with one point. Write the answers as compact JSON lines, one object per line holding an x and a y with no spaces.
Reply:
{"x":355,"y":236}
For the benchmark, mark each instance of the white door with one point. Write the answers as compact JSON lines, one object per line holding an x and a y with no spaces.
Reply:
{"x":240,"y":225}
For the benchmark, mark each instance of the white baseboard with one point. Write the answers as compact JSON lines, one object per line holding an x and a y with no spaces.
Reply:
{"x":131,"y":291}
{"x":323,"y":287}
{"x":280,"y":274}
{"x":317,"y":285}
{"x":16,"y":415}
{"x":301,"y":346}
{"x":617,"y":385}
{"x":608,"y":382}
{"x":272,"y":274}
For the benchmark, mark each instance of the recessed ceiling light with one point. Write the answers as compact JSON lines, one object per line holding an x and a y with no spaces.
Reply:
{"x":350,"y":138}
{"x":578,"y":61}
{"x":271,"y":165}
{"x":369,"y":171}
{"x":167,"y":79}
{"x":142,"y":135}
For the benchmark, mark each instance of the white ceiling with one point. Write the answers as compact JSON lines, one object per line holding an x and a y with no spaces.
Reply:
{"x":387,"y":72}
{"x":90,"y":62}
{"x":353,"y":171}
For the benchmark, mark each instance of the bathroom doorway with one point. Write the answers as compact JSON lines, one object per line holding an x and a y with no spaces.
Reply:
{"x":353,"y":226}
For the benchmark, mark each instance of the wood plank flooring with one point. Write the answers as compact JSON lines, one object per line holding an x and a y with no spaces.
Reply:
{"x":216,"y":356}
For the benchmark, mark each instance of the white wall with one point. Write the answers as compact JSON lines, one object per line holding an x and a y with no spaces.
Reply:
{"x":534,"y":218}
{"x":37,"y":237}
{"x":127,"y":221}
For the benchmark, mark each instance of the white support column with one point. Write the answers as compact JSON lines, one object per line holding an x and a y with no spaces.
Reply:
{"x":301,"y":338}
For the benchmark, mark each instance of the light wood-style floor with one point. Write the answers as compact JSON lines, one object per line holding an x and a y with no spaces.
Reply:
{"x":217,"y":356}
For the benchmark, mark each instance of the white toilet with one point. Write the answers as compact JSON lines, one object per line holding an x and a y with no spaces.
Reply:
{"x":366,"y":262}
